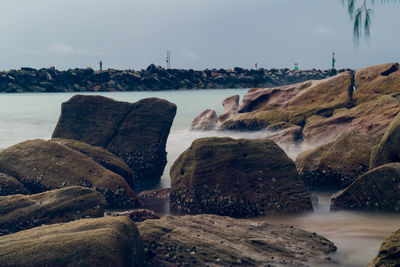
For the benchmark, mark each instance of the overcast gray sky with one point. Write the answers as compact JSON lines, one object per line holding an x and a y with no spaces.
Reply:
{"x":131,"y":34}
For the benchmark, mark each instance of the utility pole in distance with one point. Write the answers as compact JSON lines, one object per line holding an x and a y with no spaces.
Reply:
{"x":333,"y":60}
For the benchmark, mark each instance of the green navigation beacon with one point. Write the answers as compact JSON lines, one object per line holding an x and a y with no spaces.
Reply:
{"x":333,"y":60}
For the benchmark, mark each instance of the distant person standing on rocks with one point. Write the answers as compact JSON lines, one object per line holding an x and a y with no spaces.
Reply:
{"x":101,"y":65}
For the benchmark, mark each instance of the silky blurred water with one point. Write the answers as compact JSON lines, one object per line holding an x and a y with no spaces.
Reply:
{"x":357,"y":235}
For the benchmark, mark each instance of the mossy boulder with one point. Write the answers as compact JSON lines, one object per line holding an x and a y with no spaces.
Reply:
{"x":45,"y":165}
{"x":136,"y":132}
{"x":337,"y":164}
{"x":377,"y":189}
{"x":375,"y":81}
{"x":108,"y":241}
{"x":388,"y":149}
{"x":389,"y":252}
{"x":211,"y":240}
{"x":20,"y":212}
{"x":10,"y":185}
{"x":236,"y":177}
{"x":105,"y":158}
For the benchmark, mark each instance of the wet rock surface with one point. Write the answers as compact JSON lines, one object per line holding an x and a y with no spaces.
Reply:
{"x":236,"y":177}
{"x":389,"y":252}
{"x":335,"y":165}
{"x":388,"y":149}
{"x":105,"y":241}
{"x":45,"y":165}
{"x":207,"y":120}
{"x":210,"y":240}
{"x":152,"y":78}
{"x":138,"y":215}
{"x":136,"y":132}
{"x":20,"y":212}
{"x":377,"y":189}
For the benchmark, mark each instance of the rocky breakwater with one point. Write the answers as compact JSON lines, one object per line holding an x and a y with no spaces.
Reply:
{"x":210,"y":240}
{"x":45,"y":165}
{"x":238,"y":178}
{"x":135,"y":132}
{"x":321,"y":111}
{"x":151,"y":78}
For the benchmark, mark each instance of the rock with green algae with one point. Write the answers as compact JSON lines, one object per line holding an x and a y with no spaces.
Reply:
{"x":136,"y":132}
{"x":108,"y":241}
{"x":388,"y":149}
{"x":105,"y":158}
{"x":10,"y":185}
{"x":377,"y":189}
{"x":389,"y":252}
{"x":20,"y":212}
{"x":237,"y":177}
{"x":45,"y":165}
{"x":336,"y":164}
{"x":211,"y":240}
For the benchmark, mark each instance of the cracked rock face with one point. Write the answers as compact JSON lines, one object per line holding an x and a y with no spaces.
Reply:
{"x":211,"y":240}
{"x":136,"y":132}
{"x":239,"y":178}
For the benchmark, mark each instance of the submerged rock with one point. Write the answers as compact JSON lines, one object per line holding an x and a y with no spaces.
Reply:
{"x":210,"y":240}
{"x":104,"y":242}
{"x":136,"y":132}
{"x":45,"y":165}
{"x":388,"y":149}
{"x":377,"y":189}
{"x":19,"y":212}
{"x":388,"y":255}
{"x":337,"y":164}
{"x":239,"y":178}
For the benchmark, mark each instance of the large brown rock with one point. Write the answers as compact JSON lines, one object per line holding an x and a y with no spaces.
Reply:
{"x":389,"y":252}
{"x":105,"y":158}
{"x":45,"y":165}
{"x":207,"y":120}
{"x":135,"y":132}
{"x":10,"y":185}
{"x":377,"y":189}
{"x":369,"y":118}
{"x":337,"y":164}
{"x":239,"y":178}
{"x":20,"y":212}
{"x":375,"y":81}
{"x":109,"y":241}
{"x":231,"y":106}
{"x":210,"y":240}
{"x":293,"y":103}
{"x":388,"y":149}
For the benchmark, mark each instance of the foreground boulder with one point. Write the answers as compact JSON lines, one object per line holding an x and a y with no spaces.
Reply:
{"x":90,"y":242}
{"x":10,"y":185}
{"x":19,"y":212}
{"x":388,"y":255}
{"x":44,"y":165}
{"x":377,"y":189}
{"x":105,"y":158}
{"x":239,"y":178}
{"x":136,"y":132}
{"x":388,"y":149}
{"x":210,"y":240}
{"x":337,"y":164}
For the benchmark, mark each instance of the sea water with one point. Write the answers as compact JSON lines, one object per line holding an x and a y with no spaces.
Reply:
{"x":357,"y":235}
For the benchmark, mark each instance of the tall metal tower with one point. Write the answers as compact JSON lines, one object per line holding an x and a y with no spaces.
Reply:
{"x":168,"y":59}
